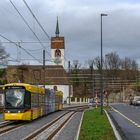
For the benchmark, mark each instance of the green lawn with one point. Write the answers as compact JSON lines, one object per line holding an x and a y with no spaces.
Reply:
{"x":96,"y":126}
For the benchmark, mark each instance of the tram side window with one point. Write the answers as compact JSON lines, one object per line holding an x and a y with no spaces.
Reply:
{"x":57,"y":98}
{"x":61,"y":99}
{"x":27,"y":99}
{"x":34,"y":99}
{"x":43,"y":99}
{"x":40,"y":100}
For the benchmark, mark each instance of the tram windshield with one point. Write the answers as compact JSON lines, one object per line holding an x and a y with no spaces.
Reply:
{"x":14,"y":98}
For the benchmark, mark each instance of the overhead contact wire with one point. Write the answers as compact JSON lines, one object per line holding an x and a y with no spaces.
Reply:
{"x":28,"y":25}
{"x":20,"y":47}
{"x":36,"y":19}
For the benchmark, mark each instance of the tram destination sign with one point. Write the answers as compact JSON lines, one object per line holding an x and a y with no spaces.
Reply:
{"x":14,"y":87}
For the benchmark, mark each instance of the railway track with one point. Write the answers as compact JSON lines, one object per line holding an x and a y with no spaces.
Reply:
{"x":72,"y":107}
{"x":8,"y":126}
{"x":49,"y":131}
{"x":76,"y":108}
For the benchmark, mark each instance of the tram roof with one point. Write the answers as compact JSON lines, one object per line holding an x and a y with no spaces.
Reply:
{"x":59,"y":93}
{"x":31,"y":88}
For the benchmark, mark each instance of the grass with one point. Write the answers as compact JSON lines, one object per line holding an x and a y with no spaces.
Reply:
{"x":96,"y":126}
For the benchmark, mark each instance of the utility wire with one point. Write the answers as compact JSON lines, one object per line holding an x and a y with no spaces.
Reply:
{"x":36,"y":19}
{"x":13,"y":59}
{"x":26,"y":42}
{"x":39,"y":59}
{"x":34,"y":50}
{"x":28,"y":25}
{"x":21,"y":48}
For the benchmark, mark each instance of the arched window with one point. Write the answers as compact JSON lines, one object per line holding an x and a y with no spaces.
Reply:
{"x":57,"y":53}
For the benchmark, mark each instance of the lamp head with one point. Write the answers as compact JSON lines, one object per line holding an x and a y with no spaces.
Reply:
{"x":103,"y":14}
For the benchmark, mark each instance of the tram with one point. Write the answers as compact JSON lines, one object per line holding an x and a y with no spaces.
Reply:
{"x":1,"y":98}
{"x":28,"y":102}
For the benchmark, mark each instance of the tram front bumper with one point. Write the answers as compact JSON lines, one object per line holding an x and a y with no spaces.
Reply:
{"x":17,"y":116}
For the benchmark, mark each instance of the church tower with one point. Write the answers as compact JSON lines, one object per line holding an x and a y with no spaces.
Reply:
{"x":57,"y":47}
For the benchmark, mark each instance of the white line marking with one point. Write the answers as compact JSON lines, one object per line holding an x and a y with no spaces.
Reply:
{"x":79,"y":128}
{"x":118,"y":137}
{"x":136,"y":124}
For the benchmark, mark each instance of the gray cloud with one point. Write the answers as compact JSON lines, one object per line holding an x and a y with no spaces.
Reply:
{"x":80,"y":24}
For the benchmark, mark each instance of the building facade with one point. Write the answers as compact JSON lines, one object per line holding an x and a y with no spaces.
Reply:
{"x":49,"y":76}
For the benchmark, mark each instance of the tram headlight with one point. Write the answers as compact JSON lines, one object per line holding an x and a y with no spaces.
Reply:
{"x":6,"y":111}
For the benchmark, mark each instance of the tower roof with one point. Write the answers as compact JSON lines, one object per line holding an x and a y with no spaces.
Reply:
{"x":57,"y":28}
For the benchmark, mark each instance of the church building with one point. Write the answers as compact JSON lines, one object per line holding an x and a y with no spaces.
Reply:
{"x":58,"y":48}
{"x":49,"y":75}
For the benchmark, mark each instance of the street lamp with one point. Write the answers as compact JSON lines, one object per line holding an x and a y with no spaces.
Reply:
{"x":44,"y":68}
{"x":69,"y":82}
{"x":91,"y":62}
{"x":101,"y":71}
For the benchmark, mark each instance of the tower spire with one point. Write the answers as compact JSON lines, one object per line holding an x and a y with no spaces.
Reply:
{"x":57,"y":28}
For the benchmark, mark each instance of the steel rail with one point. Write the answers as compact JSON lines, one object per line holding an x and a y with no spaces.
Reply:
{"x":38,"y":131}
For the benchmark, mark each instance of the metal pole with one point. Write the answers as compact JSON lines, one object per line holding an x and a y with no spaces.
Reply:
{"x":69,"y":82}
{"x":44,"y":68}
{"x":92,"y":88}
{"x":101,"y":71}
{"x":101,"y":76}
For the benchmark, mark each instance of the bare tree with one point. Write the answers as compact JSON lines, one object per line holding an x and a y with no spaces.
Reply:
{"x":76,"y":64}
{"x":112,"y":64}
{"x":130,"y":68}
{"x":112,"y":61}
{"x":3,"y":56}
{"x":134,"y":65}
{"x":126,"y":63}
{"x":92,"y":72}
{"x":97,"y":63}
{"x":75,"y":71}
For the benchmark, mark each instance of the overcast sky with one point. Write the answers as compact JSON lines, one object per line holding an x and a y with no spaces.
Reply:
{"x":79,"y":23}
